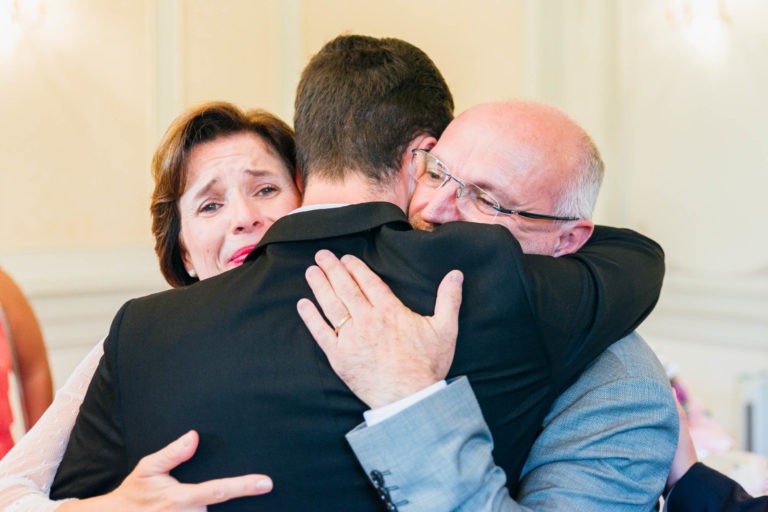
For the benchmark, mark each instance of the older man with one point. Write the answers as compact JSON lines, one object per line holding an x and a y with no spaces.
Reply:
{"x":609,"y":439}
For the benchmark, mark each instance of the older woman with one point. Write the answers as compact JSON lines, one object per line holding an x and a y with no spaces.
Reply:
{"x":222,"y":177}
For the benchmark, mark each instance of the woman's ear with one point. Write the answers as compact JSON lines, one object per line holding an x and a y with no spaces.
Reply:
{"x":186,"y":260}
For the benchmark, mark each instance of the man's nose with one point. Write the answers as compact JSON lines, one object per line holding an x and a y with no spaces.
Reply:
{"x":442,"y":207}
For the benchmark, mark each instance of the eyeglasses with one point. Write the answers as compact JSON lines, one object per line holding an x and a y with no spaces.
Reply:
{"x":429,"y":171}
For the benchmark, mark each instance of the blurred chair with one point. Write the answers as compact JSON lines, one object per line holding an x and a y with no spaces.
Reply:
{"x":25,"y":377}
{"x":6,"y":396}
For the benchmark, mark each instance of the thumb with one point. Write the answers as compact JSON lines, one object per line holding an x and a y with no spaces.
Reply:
{"x":170,"y":456}
{"x":448,"y":303}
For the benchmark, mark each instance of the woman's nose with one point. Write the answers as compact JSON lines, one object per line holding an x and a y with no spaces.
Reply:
{"x":246,"y":215}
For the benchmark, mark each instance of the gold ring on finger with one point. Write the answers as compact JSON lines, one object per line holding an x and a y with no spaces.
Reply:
{"x":340,"y":323}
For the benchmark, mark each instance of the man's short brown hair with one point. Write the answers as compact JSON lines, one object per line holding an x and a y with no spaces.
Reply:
{"x":360,"y":101}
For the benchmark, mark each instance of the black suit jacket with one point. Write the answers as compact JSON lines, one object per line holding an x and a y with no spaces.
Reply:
{"x":703,"y":489}
{"x":231,"y":358}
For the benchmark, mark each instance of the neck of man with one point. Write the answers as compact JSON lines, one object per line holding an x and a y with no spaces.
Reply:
{"x":353,"y":189}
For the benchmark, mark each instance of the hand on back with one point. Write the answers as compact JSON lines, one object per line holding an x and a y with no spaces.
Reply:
{"x":150,"y":487}
{"x":381,"y":349}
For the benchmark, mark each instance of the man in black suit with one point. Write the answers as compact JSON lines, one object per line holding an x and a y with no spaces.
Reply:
{"x":704,"y":489}
{"x":694,"y":487}
{"x":230,"y":358}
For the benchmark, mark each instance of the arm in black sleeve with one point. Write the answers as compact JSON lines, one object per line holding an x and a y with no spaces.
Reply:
{"x":586,"y":301}
{"x":94,"y":462}
{"x":704,"y":489}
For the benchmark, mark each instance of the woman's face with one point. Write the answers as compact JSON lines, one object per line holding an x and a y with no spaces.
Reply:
{"x":236,"y":188}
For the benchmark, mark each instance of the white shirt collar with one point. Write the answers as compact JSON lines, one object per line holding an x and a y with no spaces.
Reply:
{"x":311,"y":207}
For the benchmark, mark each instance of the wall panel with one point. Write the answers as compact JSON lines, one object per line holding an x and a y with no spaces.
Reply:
{"x":478,"y":47}
{"x":77,"y":109}
{"x":677,"y":120}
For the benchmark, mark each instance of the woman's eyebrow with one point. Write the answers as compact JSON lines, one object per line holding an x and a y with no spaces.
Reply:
{"x":206,"y":188}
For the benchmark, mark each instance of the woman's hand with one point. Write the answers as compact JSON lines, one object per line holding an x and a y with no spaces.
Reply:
{"x":685,"y":456}
{"x":150,"y":487}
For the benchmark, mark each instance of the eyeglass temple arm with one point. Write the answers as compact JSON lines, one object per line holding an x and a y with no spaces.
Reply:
{"x":530,"y":215}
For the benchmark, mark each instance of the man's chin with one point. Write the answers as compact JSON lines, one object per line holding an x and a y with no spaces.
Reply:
{"x":420,"y":224}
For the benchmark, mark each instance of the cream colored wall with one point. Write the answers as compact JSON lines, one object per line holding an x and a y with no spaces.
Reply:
{"x":692,"y":116}
{"x":77,"y":109}
{"x":88,"y":88}
{"x":479,"y":49}
{"x":77,"y":130}
{"x":255,"y":57}
{"x":234,"y":50}
{"x":680,"y":122}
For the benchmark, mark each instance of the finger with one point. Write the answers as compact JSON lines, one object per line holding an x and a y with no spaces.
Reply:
{"x":167,"y":458}
{"x":318,"y":327}
{"x":220,"y":490}
{"x":368,"y":283}
{"x":344,"y":285}
{"x":445,"y":321}
{"x":333,"y":309}
{"x":448,"y":303}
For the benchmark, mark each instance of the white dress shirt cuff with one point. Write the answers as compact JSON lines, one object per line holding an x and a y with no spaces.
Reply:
{"x":374,"y":416}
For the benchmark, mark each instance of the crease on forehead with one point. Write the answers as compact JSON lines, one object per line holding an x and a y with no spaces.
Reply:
{"x":488,"y":162}
{"x":243,"y":151}
{"x":531,"y":177}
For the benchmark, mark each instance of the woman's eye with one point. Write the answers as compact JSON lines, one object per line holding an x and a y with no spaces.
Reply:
{"x":267,"y":190}
{"x":209,"y":207}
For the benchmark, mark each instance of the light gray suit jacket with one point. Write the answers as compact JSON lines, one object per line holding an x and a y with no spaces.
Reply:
{"x":607,"y":444}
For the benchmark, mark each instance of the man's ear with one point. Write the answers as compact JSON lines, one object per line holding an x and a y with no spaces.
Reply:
{"x":425,"y":142}
{"x":298,"y":181}
{"x":573,"y":237}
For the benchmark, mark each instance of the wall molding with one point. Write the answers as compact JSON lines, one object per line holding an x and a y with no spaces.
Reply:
{"x":77,"y":272}
{"x":75,"y":294}
{"x":726,"y":311}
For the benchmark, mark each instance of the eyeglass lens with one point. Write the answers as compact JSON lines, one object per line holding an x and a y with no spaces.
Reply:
{"x":471,"y":200}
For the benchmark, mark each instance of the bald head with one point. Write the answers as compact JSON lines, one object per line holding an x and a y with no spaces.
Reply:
{"x":531,"y":158}
{"x":536,"y":141}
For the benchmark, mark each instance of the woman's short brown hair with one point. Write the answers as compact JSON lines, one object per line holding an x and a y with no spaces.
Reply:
{"x":204,"y":123}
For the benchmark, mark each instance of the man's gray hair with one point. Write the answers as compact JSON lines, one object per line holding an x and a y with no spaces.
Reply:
{"x":579,"y":195}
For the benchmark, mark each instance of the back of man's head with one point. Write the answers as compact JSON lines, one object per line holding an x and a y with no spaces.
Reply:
{"x":360,"y":101}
